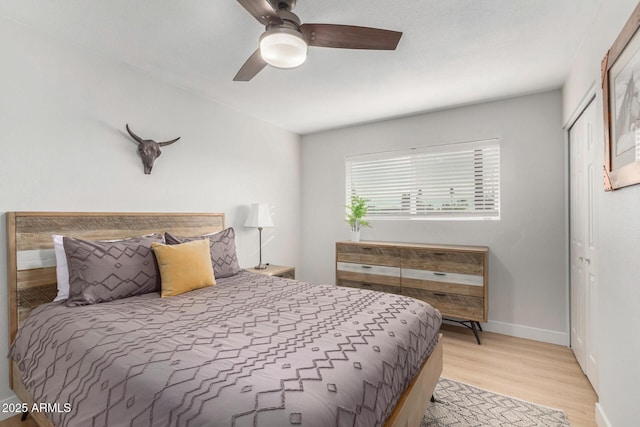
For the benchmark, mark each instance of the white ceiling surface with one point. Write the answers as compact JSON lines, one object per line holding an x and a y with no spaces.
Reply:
{"x":453,"y":52}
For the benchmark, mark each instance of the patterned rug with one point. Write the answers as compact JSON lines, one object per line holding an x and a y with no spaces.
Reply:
{"x":462,"y":405}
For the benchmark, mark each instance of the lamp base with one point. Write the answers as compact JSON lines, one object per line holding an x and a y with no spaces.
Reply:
{"x":261,"y":267}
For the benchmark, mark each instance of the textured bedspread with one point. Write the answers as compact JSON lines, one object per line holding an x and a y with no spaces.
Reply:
{"x":251,"y":351}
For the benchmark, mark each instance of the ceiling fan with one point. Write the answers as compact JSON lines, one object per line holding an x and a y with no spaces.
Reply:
{"x":285,"y":40}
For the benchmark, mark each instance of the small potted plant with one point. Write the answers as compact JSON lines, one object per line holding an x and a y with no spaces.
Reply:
{"x":356,"y":211}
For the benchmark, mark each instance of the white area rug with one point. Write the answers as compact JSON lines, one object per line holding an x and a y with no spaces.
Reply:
{"x":462,"y":405}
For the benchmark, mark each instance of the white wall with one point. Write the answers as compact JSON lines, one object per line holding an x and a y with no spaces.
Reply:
{"x":618,"y":309}
{"x":528,"y":291}
{"x":63,"y":147}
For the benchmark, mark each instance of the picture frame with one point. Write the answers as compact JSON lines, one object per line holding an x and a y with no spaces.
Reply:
{"x":621,"y":105}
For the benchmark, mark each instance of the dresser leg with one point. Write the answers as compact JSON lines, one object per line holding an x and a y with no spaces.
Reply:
{"x":475,"y":332}
{"x":470,"y":324}
{"x":24,"y":416}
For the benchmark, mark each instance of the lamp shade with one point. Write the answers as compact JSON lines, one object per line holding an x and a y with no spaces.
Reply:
{"x":283,"y":48}
{"x":259,"y":216}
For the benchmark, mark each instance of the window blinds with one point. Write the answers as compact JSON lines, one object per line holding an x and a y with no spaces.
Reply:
{"x":459,"y":180}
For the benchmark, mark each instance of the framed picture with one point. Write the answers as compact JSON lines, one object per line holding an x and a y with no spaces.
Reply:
{"x":621,"y":102}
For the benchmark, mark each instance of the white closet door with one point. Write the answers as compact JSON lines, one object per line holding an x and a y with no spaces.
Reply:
{"x":585,"y":181}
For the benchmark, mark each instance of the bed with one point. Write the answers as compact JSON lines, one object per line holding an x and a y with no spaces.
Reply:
{"x":251,"y":350}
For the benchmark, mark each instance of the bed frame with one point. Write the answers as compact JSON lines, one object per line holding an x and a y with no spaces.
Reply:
{"x":31,"y":270}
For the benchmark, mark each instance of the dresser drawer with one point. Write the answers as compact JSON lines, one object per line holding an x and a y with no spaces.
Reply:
{"x":366,"y":273}
{"x":438,"y":286}
{"x":443,"y":261}
{"x":371,"y":286}
{"x":450,"y":305}
{"x":439,"y":276}
{"x":372,"y":255}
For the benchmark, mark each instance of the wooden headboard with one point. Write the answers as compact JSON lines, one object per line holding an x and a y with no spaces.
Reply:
{"x":31,"y":262}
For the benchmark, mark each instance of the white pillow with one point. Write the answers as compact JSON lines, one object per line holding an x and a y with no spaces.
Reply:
{"x":62,"y":269}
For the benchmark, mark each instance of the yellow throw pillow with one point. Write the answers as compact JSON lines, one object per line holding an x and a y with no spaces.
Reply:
{"x":184,"y":267}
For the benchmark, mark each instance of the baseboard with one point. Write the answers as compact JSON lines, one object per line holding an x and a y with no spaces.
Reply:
{"x":11,"y":400}
{"x":601,"y":418}
{"x":528,"y":332}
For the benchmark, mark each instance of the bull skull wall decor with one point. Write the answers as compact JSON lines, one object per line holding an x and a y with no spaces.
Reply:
{"x":149,"y":150}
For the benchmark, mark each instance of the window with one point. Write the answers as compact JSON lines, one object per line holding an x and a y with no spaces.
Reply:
{"x":450,"y":181}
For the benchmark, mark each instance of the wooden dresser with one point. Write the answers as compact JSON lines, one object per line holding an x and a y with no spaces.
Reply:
{"x":451,"y":278}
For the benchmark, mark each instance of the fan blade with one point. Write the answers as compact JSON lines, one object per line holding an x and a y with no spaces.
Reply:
{"x":253,"y":66}
{"x":262,"y":10}
{"x":350,"y":37}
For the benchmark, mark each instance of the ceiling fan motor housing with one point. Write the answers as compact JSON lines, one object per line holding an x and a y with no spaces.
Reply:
{"x":289,"y":20}
{"x":284,"y":4}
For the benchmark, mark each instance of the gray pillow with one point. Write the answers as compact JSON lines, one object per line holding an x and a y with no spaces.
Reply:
{"x":101,"y":271}
{"x":222,"y":246}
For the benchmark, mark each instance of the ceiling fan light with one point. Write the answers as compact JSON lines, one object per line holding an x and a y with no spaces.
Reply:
{"x":283,"y":48}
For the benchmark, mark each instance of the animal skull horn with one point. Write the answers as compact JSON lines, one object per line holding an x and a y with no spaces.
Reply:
{"x":149,"y":149}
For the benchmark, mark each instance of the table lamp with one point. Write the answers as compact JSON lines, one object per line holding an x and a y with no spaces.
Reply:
{"x":259,"y":217}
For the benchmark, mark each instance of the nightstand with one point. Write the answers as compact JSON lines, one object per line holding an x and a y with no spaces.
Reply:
{"x":276,"y":270}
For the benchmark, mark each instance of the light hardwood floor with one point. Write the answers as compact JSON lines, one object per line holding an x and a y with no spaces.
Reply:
{"x":541,"y":373}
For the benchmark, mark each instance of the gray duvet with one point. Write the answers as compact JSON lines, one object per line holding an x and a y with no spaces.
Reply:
{"x":251,"y":351}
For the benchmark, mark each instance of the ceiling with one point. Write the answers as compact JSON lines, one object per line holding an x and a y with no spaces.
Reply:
{"x":453,"y":52}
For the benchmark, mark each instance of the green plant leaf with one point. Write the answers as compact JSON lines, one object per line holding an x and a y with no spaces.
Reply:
{"x":356,"y":211}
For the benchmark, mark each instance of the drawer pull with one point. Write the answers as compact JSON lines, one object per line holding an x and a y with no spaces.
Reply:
{"x":366,"y":266}
{"x":366,"y":284}
{"x":367,"y":249}
{"x":439,"y":295}
{"x":439,"y":253}
{"x":439,"y":274}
